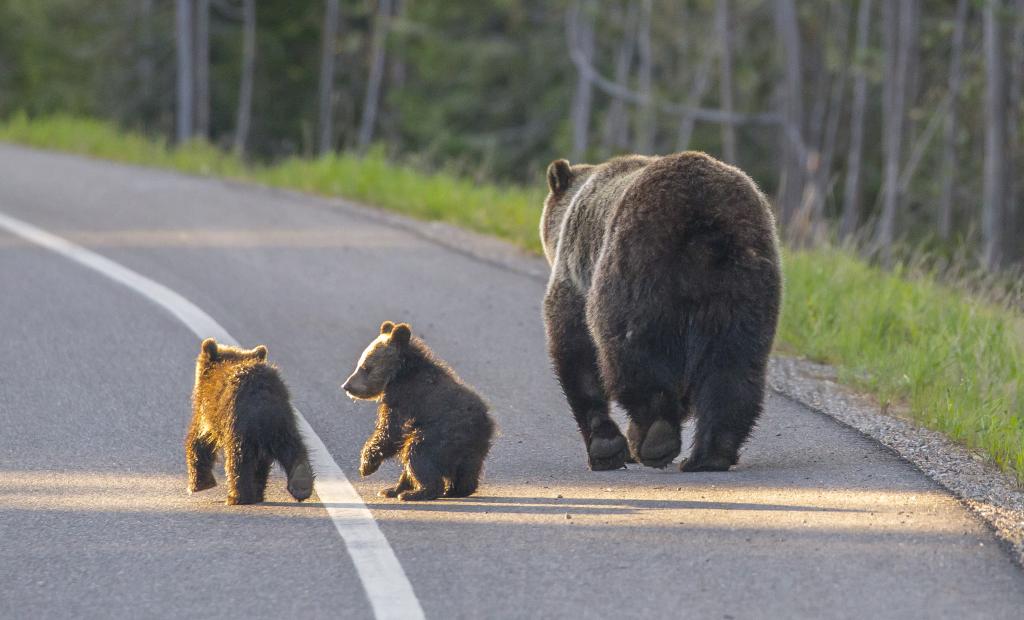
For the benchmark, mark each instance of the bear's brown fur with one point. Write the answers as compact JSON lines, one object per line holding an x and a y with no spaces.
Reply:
{"x":436,"y":424}
{"x":664,"y":296}
{"x":240,"y":406}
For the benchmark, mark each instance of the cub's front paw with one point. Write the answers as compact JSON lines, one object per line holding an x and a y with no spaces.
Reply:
{"x":390,"y":491}
{"x":419,"y":495}
{"x":368,"y":467}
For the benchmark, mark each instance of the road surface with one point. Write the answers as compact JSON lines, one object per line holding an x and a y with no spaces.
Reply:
{"x":816,"y":521}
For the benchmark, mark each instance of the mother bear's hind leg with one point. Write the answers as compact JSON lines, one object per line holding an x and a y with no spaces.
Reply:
{"x":574,"y":357}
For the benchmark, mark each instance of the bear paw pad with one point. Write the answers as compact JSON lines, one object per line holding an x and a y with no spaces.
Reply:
{"x":607,"y":453}
{"x":661,"y":444}
{"x":300,"y":482}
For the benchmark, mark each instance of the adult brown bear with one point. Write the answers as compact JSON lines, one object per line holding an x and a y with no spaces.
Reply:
{"x":664,"y":296}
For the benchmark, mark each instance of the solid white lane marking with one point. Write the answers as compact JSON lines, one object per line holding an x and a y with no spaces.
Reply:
{"x":385,"y":582}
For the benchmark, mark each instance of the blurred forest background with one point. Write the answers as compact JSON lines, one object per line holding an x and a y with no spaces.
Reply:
{"x":897,"y":125}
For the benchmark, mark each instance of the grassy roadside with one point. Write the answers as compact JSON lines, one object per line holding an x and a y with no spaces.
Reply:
{"x":956,"y":361}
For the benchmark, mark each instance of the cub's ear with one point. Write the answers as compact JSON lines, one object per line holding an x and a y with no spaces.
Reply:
{"x":401,"y":334}
{"x":210,"y":348}
{"x":386,"y":327}
{"x":559,"y":176}
{"x":260,"y":352}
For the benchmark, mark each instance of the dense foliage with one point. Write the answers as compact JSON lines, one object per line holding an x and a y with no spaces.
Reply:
{"x":487,"y":89}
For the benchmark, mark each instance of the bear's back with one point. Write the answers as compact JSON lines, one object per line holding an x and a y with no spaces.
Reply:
{"x":581,"y":235}
{"x":431,"y":393}
{"x":243,"y":394}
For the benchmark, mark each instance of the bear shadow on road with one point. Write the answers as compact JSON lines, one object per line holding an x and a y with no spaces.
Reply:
{"x":577,"y":505}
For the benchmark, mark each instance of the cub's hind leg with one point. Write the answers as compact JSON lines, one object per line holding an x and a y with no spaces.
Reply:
{"x":200,"y":454}
{"x":291,"y":453}
{"x":425,"y":477}
{"x":260,"y":478}
{"x":466,"y":478}
{"x":240,"y":467}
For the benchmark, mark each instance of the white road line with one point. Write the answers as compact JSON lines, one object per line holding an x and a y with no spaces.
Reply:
{"x":386,"y":584}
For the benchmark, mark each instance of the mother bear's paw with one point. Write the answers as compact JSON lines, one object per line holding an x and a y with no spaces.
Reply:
{"x":706,"y":463}
{"x":607,"y":453}
{"x":661,"y":444}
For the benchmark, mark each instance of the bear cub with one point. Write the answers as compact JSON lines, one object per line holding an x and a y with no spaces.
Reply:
{"x":241,"y":408}
{"x":436,"y":424}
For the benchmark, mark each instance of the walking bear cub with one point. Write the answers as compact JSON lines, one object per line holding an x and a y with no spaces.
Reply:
{"x":664,"y":296}
{"x":241,"y":407}
{"x":436,"y":424}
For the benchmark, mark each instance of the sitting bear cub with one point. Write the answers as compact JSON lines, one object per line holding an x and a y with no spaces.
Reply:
{"x":240,"y":406}
{"x":437,"y":425}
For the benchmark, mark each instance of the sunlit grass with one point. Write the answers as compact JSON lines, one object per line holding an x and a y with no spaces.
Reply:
{"x":956,"y":361}
{"x":953,"y":359}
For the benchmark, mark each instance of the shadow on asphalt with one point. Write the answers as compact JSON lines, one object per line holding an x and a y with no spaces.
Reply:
{"x":578,"y":505}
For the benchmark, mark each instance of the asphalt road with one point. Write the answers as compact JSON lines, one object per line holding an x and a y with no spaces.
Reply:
{"x":816,"y":521}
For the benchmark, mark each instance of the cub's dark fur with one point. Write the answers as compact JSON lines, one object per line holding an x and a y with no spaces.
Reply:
{"x":240,"y":406}
{"x":664,"y":296}
{"x":435,"y":423}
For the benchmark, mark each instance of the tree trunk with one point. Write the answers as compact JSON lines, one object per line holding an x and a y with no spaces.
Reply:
{"x":583,"y":28}
{"x":396,"y":75}
{"x":913,"y":70}
{"x":898,"y":33}
{"x":146,"y":64}
{"x":378,"y":53}
{"x":701,"y":81}
{"x":723,"y":30}
{"x":995,"y":129}
{"x":616,"y":129}
{"x":328,"y":43}
{"x":851,"y":189}
{"x":202,"y":64}
{"x":949,"y":168}
{"x":1015,"y":121}
{"x":183,"y":37}
{"x":646,"y":114}
{"x":793,"y":147}
{"x":820,"y":169}
{"x":248,"y":68}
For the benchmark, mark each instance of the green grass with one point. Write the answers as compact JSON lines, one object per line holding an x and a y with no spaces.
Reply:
{"x":953,"y":359}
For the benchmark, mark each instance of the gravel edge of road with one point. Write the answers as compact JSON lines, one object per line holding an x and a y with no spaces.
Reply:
{"x":988,"y":493}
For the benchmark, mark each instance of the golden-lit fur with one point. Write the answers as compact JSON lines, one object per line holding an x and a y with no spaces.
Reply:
{"x":240,"y":407}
